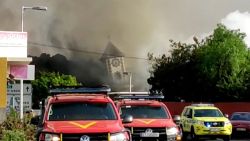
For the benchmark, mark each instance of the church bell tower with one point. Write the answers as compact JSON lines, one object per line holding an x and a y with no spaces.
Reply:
{"x":114,"y":61}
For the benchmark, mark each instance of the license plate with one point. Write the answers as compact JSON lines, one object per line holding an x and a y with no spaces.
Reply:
{"x":240,"y":129}
{"x":149,"y":134}
{"x":214,"y":129}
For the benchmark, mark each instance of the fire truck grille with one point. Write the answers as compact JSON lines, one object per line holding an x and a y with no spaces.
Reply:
{"x":136,"y":131}
{"x":156,"y":130}
{"x":92,"y":137}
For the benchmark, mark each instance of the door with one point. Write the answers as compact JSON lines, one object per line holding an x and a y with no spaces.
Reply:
{"x":187,"y":122}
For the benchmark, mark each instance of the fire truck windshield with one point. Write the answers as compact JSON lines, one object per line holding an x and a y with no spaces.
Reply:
{"x":144,"y":112}
{"x":81,"y":111}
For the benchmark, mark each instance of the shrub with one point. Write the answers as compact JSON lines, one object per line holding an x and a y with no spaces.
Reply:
{"x":13,"y":128}
{"x":15,"y":135}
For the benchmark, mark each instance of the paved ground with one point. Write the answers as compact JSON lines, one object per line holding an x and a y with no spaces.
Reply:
{"x":241,"y":140}
{"x":232,"y":140}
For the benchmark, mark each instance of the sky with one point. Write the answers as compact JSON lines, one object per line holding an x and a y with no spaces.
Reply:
{"x":77,"y":28}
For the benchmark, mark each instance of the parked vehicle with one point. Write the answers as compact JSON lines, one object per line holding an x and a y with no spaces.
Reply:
{"x":151,"y":118}
{"x":204,"y":121}
{"x":81,"y":114}
{"x":241,"y":123}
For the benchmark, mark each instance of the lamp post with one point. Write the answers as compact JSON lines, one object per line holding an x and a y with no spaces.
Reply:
{"x":40,"y":8}
{"x":130,"y":80}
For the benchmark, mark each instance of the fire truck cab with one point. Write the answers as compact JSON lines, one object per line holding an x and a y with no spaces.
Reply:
{"x":81,"y":114}
{"x":152,"y":120}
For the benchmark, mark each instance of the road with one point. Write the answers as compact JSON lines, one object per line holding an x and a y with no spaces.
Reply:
{"x":241,"y":140}
{"x":232,"y":140}
{"x":235,"y":138}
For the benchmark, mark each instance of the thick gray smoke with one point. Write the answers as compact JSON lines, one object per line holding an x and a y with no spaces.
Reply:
{"x":79,"y":29}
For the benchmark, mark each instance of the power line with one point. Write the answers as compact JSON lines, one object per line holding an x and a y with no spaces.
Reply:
{"x":83,"y":51}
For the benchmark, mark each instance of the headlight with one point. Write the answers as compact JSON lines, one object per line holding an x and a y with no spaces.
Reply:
{"x":119,"y":137}
{"x":227,"y":122}
{"x":52,"y":137}
{"x":199,"y":122}
{"x":172,"y":131}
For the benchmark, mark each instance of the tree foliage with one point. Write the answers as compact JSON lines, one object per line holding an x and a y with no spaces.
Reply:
{"x":224,"y":61}
{"x":213,"y":69}
{"x":45,"y":80}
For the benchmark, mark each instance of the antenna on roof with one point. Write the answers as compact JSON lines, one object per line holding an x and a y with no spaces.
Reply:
{"x":109,"y":38}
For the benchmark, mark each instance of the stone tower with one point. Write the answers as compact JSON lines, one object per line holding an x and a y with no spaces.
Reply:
{"x":114,"y":61}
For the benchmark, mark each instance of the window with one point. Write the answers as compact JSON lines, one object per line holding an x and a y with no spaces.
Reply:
{"x":188,"y":113}
{"x":184,"y":112}
{"x":241,"y":116}
{"x":144,"y":112}
{"x":81,"y":111}
{"x":207,"y":113}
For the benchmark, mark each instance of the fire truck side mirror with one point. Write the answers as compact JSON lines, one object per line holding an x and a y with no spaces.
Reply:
{"x":127,"y":119}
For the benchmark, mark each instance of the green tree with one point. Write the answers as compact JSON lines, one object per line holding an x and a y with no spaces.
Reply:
{"x":175,"y":76}
{"x":45,"y":80}
{"x":223,"y":60}
{"x":213,"y":69}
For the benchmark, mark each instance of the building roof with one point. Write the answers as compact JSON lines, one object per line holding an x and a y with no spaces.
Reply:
{"x":19,"y":61}
{"x":111,"y":51}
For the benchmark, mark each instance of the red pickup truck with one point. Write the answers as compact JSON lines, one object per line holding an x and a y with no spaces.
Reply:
{"x":152,"y":120}
{"x":81,"y":114}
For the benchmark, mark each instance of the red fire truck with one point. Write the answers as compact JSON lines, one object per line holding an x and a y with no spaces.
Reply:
{"x":81,"y":114}
{"x":151,"y":118}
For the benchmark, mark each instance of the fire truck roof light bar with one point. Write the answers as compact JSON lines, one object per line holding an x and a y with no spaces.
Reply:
{"x":79,"y":90}
{"x":140,"y":97}
{"x":129,"y":93}
{"x":136,"y":95}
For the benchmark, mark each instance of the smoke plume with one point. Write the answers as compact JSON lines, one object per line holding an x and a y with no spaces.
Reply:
{"x":81,"y":29}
